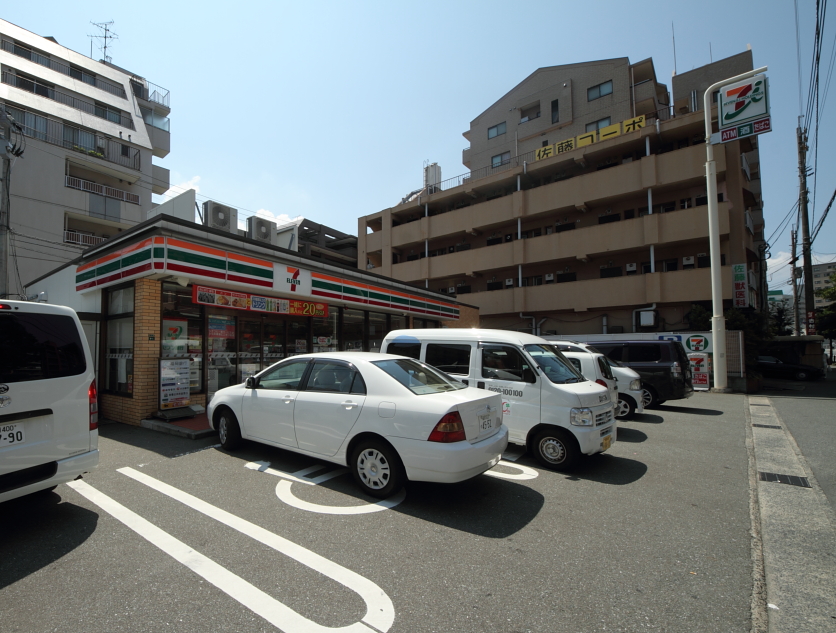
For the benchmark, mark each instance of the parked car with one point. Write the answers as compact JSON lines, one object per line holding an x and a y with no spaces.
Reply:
{"x":388,"y":418}
{"x":776,"y":368}
{"x":48,"y":399}
{"x":594,"y":367}
{"x":548,"y":406}
{"x":663,"y":366}
{"x":627,"y":382}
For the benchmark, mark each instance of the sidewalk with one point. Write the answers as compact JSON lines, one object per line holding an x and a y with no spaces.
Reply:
{"x":193,"y":428}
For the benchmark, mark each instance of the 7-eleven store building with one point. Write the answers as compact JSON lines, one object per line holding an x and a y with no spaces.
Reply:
{"x":174,"y":311}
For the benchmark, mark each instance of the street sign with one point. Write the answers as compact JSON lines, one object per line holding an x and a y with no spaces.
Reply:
{"x":743,"y":101}
{"x":752,"y":128}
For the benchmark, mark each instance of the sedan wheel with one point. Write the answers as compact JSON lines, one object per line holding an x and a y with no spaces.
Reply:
{"x":626,"y":409}
{"x":557,"y":449}
{"x":377,"y":469}
{"x":228,"y":429}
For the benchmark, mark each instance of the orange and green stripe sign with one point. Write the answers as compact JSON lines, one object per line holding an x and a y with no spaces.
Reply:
{"x":329,"y":287}
{"x":127,"y":263}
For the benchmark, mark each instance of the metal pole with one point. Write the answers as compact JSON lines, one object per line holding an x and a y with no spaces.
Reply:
{"x":809,"y":291}
{"x":795,"y":323}
{"x":5,"y":176}
{"x":718,"y":321}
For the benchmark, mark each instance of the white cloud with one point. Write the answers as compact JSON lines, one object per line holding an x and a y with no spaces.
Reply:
{"x":191,"y":183}
{"x":280,"y":219}
{"x":778,"y":269}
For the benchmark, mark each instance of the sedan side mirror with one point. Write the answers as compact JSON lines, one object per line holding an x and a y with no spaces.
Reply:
{"x":251,"y":383}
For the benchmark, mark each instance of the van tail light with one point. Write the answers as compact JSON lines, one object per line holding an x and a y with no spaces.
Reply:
{"x":93,"y":397}
{"x":676,"y":370}
{"x":449,"y":429}
{"x":601,"y":382}
{"x":5,"y":306}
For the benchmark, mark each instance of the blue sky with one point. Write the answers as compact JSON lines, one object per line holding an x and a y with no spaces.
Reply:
{"x":329,"y":110}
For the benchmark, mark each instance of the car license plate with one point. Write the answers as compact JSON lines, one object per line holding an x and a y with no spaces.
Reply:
{"x":11,"y":434}
{"x":485,"y":422}
{"x":607,"y":442}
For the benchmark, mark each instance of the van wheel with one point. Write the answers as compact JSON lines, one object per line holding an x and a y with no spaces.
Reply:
{"x":228,"y":429}
{"x":649,"y":398}
{"x":377,"y":469}
{"x":557,"y":449}
{"x":626,"y":408}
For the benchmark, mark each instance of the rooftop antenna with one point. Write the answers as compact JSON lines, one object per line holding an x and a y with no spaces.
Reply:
{"x":673,"y":36}
{"x":710,"y":54}
{"x":107,"y":34}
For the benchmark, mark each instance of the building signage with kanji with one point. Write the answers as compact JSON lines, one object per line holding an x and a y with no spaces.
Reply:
{"x":740,"y":292}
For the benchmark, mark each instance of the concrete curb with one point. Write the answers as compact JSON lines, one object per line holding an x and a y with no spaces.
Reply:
{"x":173,"y":429}
{"x":760,"y":613}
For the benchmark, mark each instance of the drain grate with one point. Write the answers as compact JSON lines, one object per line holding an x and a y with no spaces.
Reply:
{"x":766,"y":426}
{"x":792,"y":480}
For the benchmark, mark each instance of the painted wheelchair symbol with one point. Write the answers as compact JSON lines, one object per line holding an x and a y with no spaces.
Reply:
{"x":285,"y":493}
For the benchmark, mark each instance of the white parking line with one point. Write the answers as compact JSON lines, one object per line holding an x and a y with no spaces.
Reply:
{"x":380,"y":613}
{"x":525,"y":472}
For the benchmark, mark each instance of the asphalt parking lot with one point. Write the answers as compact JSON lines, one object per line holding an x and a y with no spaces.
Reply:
{"x":174,"y":534}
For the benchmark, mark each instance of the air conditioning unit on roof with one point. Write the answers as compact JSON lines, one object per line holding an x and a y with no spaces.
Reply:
{"x":219,"y":216}
{"x":261,"y":230}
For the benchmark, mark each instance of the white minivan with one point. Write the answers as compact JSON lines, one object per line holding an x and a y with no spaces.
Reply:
{"x":48,"y":401}
{"x":547,"y":405}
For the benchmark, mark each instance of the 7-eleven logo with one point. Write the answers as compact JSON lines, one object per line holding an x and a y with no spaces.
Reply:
{"x":293,"y":278}
{"x":738,"y":99}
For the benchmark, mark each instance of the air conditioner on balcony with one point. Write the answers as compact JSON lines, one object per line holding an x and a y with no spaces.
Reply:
{"x":702,"y":254}
{"x":549,"y":277}
{"x":630,"y":268}
{"x":369,"y":266}
{"x":509,"y":282}
{"x":603,"y":266}
{"x":261,"y":230}
{"x":219,"y":216}
{"x":686,"y":261}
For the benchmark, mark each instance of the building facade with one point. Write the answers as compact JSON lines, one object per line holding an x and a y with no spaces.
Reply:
{"x":821,"y":280}
{"x":174,"y":311}
{"x":584,"y":207}
{"x":91,"y":131}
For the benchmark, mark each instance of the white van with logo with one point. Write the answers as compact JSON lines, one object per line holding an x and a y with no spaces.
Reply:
{"x":547,"y":405}
{"x":48,"y":400}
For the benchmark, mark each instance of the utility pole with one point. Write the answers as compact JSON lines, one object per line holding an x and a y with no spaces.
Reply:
{"x":809,"y":291}
{"x":5,"y":175}
{"x":795,"y":322}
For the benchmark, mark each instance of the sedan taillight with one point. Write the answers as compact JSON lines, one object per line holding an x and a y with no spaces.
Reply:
{"x":449,"y":429}
{"x":601,"y":382}
{"x":93,"y":398}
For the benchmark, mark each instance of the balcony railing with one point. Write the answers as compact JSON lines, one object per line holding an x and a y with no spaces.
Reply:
{"x":64,"y":69}
{"x":50,"y":93}
{"x":81,"y":239}
{"x":150,"y":92}
{"x":84,"y":142}
{"x":102,"y":190}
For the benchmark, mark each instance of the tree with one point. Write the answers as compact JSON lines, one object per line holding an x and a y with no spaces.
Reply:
{"x":699,"y":319}
{"x":780,"y":319}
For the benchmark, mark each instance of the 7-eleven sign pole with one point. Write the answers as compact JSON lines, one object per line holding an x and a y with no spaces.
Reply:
{"x":718,"y":321}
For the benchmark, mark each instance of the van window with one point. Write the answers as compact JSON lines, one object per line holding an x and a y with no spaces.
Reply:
{"x":451,"y":359}
{"x":576,"y":362}
{"x":645,"y":353}
{"x":605,"y":367}
{"x":503,"y":362}
{"x":614,"y":352}
{"x":419,"y":378}
{"x":39,"y":346}
{"x":555,"y":365}
{"x":412,"y":350}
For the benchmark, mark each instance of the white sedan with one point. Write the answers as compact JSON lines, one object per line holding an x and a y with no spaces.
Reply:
{"x":388,"y":418}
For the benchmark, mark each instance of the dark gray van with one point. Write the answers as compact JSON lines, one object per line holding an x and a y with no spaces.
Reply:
{"x":662,"y":365}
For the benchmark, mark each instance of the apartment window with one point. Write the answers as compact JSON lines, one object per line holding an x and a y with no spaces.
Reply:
{"x":597,"y":125}
{"x":79,"y":139}
{"x":601,"y":90}
{"x":33,"y":124}
{"x":496,"y":130}
{"x":555,"y":111}
{"x":126,"y":150}
{"x":501,"y":159}
{"x":531,"y":112}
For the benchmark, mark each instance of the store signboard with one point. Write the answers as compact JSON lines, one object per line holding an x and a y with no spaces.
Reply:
{"x":700,"y":368}
{"x":221,"y":327}
{"x":174,"y":382}
{"x":257,"y":303}
{"x":739,"y":290}
{"x":743,"y":101}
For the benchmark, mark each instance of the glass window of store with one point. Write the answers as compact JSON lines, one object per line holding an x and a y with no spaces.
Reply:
{"x":297,"y":336}
{"x":377,"y":329}
{"x":424,"y":323}
{"x":274,"y":342}
{"x":119,"y":352}
{"x":325,"y":332}
{"x":182,"y":335}
{"x":249,"y":347}
{"x":353,"y":328}
{"x":221,"y":341}
{"x":397,"y":322}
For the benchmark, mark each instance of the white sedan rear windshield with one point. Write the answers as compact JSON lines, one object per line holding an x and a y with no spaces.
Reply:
{"x":420,"y":379}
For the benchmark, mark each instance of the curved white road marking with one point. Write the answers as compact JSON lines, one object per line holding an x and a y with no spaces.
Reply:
{"x":380,"y":613}
{"x":285,"y":494}
{"x":525,"y":472}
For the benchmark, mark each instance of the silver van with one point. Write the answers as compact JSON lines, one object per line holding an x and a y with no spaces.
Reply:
{"x":547,"y":405}
{"x":48,"y":401}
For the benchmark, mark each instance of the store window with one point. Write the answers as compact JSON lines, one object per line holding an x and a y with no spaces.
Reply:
{"x":325,"y":332}
{"x":182,"y":335}
{"x":353,"y":326}
{"x":377,"y":330}
{"x":397,"y":322}
{"x":425,"y":323}
{"x":119,"y":355}
{"x":223,"y":358}
{"x":297,"y":337}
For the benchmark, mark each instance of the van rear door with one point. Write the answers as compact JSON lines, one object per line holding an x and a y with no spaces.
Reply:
{"x":502,"y":369}
{"x":45,"y":376}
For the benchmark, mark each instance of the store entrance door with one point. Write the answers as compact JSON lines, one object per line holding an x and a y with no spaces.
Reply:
{"x":249,"y":348}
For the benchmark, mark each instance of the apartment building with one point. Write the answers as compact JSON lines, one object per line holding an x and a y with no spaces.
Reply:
{"x":821,"y":280}
{"x":91,"y":131}
{"x":585,"y":207}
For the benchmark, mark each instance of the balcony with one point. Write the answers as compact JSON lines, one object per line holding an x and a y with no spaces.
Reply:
{"x":81,"y":239}
{"x":147,"y":91}
{"x":68,"y":100}
{"x":160,"y":179}
{"x":65,"y":69}
{"x":102,"y":190}
{"x":466,"y":157}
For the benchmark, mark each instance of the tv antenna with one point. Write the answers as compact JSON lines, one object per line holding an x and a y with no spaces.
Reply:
{"x":106,"y":35}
